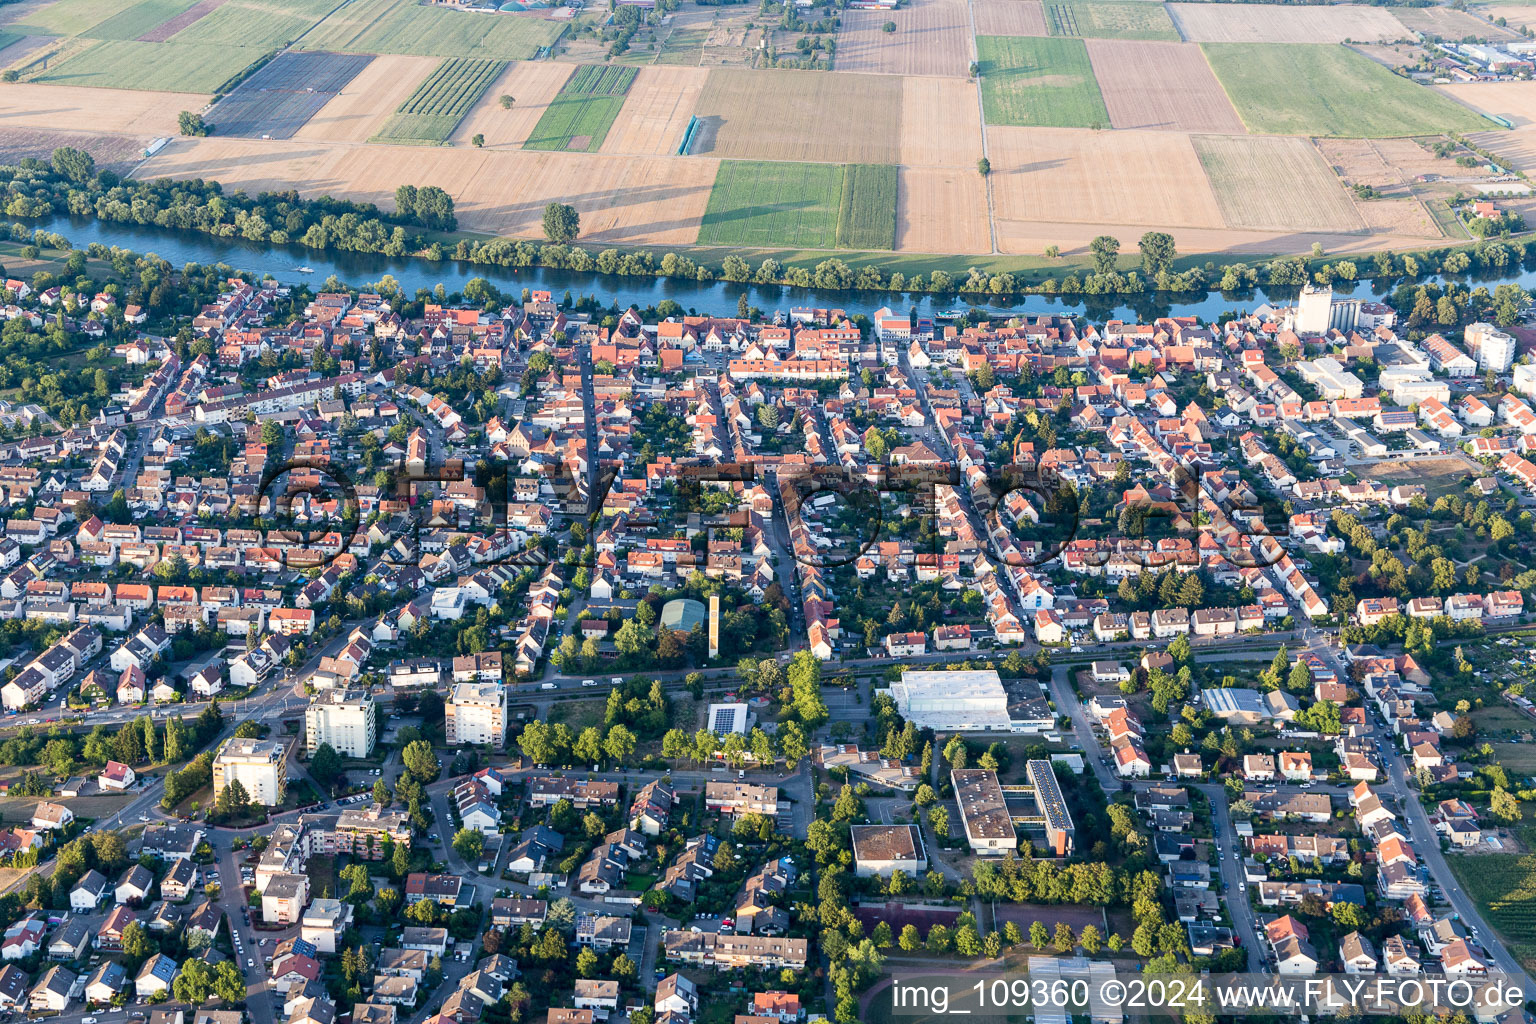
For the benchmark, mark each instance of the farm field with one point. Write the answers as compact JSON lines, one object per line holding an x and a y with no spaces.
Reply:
{"x":579,"y":116}
{"x":1043,"y":82}
{"x":284,"y":94}
{"x":1388,"y":162}
{"x":1165,"y":86}
{"x":168,"y":28}
{"x":165,"y":67}
{"x":149,"y":114}
{"x":858,"y":116}
{"x":1284,"y":23}
{"x":634,"y":200}
{"x":434,"y":110}
{"x":685,"y":43}
{"x":1346,"y":94}
{"x":1108,"y":20}
{"x":950,"y":102}
{"x":367,"y":101}
{"x":402,"y":26}
{"x":941,"y":209}
{"x":1449,"y":23}
{"x":932,"y":37}
{"x":14,"y":48}
{"x":729,"y":42}
{"x":531,"y":84}
{"x":1514,"y":100}
{"x":1504,"y":888}
{"x":258,"y":24}
{"x":657,"y":111}
{"x":816,"y":206}
{"x":1010,"y":18}
{"x":866,"y":215}
{"x":1516,"y":148}
{"x":1140,"y":178}
{"x":67,"y":17}
{"x":138,"y":19}
{"x":118,"y":153}
{"x":1401,"y":217}
{"x":1275,"y":183}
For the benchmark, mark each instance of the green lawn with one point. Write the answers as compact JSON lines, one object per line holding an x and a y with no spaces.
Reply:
{"x":773,"y":204}
{"x":866,"y":216}
{"x":434,"y":110}
{"x":165,"y":67}
{"x":1042,"y":82}
{"x":264,"y":24}
{"x":69,"y":17}
{"x":1323,"y":89}
{"x":138,"y":19}
{"x":579,"y":116}
{"x":1092,"y":20}
{"x":402,"y":26}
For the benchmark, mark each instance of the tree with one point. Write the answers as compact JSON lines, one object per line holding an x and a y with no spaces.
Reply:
{"x":381,"y":795}
{"x":325,"y":766}
{"x":138,"y":946}
{"x":1105,"y":249}
{"x":909,"y":940}
{"x":619,"y":743}
{"x":75,"y":164}
{"x":191,"y":123}
{"x":562,"y":224}
{"x":956,"y":753}
{"x":805,"y":687}
{"x":477,"y":140}
{"x":194,"y":982}
{"x":507,"y":101}
{"x":468,"y":843}
{"x":1090,"y":939}
{"x":1505,"y":808}
{"x":586,"y":963}
{"x":983,"y":167}
{"x":588,"y":748}
{"x":1157,"y":253}
{"x":232,"y":799}
{"x":421,"y":762}
{"x":1064,"y":940}
{"x":228,"y":983}
{"x":1039,"y":935}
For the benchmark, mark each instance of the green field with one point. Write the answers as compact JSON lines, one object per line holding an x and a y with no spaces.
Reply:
{"x":1504,"y":887}
{"x":579,"y":116}
{"x":817,"y":206}
{"x":263,"y":24}
{"x":1041,"y":82}
{"x":402,"y":26}
{"x":162,"y":67}
{"x":1136,"y":20}
{"x":434,"y":110}
{"x":138,"y":19}
{"x":69,"y":17}
{"x":683,"y":46}
{"x":1330,"y":90}
{"x":866,"y":215}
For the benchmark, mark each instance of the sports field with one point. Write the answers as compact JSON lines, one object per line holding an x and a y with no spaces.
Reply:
{"x":402,"y":26}
{"x":578,"y":118}
{"x":1106,"y":20}
{"x":434,"y":110}
{"x":932,"y":37}
{"x":163,"y":67}
{"x":1345,"y":94}
{"x":1043,"y":82}
{"x":812,"y":115}
{"x":1284,"y":23}
{"x":284,"y":94}
{"x":1165,"y":86}
{"x":811,"y":206}
{"x":1275,"y":183}
{"x":138,"y":19}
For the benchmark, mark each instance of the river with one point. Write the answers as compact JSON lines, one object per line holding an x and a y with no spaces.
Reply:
{"x":718,"y":297}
